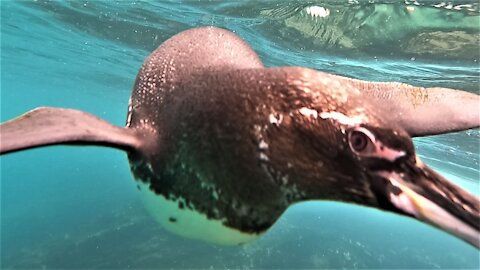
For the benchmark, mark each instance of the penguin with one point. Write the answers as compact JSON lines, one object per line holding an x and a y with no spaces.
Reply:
{"x":221,"y":146}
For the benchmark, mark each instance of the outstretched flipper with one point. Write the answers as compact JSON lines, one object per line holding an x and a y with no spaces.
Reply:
{"x":47,"y":126}
{"x":425,"y":111}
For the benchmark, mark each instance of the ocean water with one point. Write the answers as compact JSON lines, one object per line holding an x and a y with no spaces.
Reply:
{"x":68,"y":207}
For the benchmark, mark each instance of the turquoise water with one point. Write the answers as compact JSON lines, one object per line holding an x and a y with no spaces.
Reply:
{"x":77,"y":207}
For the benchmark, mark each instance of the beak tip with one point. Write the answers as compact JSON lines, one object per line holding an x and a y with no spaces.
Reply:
{"x":424,"y":194}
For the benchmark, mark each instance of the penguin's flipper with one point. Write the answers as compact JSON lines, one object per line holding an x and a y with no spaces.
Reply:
{"x":46,"y":126}
{"x":425,"y":111}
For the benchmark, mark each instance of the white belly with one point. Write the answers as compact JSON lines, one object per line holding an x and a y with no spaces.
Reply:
{"x":189,"y":223}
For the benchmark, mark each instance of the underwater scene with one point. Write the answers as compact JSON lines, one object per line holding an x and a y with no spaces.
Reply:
{"x":71,"y":207}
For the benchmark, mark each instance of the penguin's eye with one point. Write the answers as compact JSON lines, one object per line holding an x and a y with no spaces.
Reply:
{"x":360,"y":142}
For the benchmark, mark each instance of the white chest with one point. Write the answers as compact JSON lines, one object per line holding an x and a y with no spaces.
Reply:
{"x":190,"y":223}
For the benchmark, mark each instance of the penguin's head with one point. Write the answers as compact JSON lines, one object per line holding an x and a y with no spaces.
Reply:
{"x":344,"y":147}
{"x":396,"y":180}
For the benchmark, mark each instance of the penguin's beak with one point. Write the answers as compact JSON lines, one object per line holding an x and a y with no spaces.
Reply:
{"x":418,"y":191}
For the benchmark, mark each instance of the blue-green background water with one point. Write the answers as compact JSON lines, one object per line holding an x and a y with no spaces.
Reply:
{"x":77,"y":207}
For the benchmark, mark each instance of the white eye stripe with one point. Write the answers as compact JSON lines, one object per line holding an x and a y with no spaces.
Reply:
{"x":381,"y":150}
{"x":342,"y":118}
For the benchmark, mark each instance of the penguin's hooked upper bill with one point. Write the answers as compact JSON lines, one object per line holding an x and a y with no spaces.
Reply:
{"x":222,"y":145}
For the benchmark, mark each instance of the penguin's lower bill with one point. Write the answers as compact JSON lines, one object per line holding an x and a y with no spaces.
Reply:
{"x":420,"y":192}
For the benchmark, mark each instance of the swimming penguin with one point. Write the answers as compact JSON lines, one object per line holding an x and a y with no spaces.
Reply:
{"x":221,"y":145}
